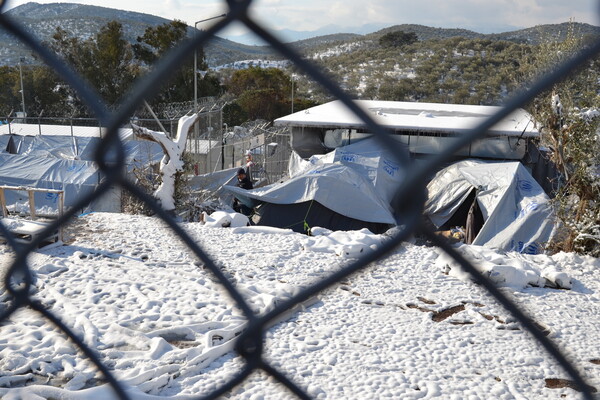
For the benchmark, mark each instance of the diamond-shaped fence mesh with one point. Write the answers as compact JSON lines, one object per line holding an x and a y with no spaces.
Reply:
{"x":408,"y":202}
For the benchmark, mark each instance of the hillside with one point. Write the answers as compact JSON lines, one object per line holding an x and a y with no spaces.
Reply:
{"x":541,"y":33}
{"x":428,"y":33}
{"x":84,"y":21}
{"x":534,"y":35}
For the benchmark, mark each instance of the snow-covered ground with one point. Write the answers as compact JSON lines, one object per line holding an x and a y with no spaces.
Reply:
{"x":403,"y":328}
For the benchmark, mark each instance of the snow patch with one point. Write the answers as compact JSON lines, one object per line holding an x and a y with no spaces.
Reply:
{"x":224,"y":219}
{"x":351,"y":244}
{"x":512,"y":269}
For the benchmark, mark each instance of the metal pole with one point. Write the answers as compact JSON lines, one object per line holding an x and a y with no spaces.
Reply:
{"x":22,"y":91}
{"x":223,"y":146}
{"x":196,"y":127}
{"x":40,"y":123}
{"x":292,"y":93}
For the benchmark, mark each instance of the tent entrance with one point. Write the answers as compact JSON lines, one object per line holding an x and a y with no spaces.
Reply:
{"x":468,"y":216}
{"x":301,"y":217}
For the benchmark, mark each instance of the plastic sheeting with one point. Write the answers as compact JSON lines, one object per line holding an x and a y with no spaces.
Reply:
{"x":357,"y":181}
{"x":65,"y":162}
{"x":76,"y":178}
{"x":516,"y":210}
{"x":366,"y":157}
{"x":81,"y":148}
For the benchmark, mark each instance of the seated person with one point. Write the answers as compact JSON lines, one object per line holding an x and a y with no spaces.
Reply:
{"x":244,"y":182}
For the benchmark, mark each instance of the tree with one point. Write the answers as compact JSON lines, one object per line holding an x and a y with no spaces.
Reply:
{"x":114,"y":70}
{"x":172,"y":164}
{"x":263,"y":93}
{"x":569,"y":119}
{"x":233,"y":114}
{"x":398,"y":39}
{"x":9,"y":76}
{"x":159,"y":40}
{"x":105,"y":61}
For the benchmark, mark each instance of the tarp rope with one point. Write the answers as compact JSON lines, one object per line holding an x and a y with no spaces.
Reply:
{"x":305,"y":225}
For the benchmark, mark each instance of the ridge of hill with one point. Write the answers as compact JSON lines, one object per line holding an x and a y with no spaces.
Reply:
{"x":84,"y":21}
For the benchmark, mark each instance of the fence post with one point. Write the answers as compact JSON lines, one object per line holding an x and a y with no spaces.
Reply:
{"x":61,"y":210}
{"x":31,"y":195}
{"x":3,"y":203}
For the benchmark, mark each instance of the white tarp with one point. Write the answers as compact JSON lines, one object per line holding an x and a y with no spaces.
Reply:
{"x":76,"y":178}
{"x":366,"y":157}
{"x":81,"y":148}
{"x":65,"y":162}
{"x":357,"y":181}
{"x":516,"y":210}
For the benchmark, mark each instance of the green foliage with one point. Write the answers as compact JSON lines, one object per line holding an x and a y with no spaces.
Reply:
{"x":262,"y":93}
{"x":573,"y":140}
{"x":110,"y":65}
{"x":398,"y":39}
{"x":456,"y":69}
{"x":159,"y":40}
{"x":114,"y":71}
{"x":105,"y":61}
{"x":234,"y":115}
{"x":9,"y":78}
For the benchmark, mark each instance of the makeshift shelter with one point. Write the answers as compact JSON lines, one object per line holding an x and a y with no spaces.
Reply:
{"x":349,"y":188}
{"x":76,"y":178}
{"x":515,"y":211}
{"x":62,"y":157}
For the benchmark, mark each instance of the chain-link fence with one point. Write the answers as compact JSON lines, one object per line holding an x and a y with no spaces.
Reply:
{"x":408,"y":202}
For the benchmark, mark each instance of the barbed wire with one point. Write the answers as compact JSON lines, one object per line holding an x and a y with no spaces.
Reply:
{"x":408,"y":202}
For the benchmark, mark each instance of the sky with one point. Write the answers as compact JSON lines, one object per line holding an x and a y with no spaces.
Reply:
{"x":485,"y":16}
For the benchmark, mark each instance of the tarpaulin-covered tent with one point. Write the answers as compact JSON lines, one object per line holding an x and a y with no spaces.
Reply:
{"x":349,"y":188}
{"x":63,"y":159}
{"x":78,"y":148}
{"x":515,"y":210}
{"x":75,"y":178}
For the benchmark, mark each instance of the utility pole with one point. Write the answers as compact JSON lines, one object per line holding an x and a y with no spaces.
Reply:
{"x":196,"y":59}
{"x":22,"y":91}
{"x":196,"y":125}
{"x":292,"y":93}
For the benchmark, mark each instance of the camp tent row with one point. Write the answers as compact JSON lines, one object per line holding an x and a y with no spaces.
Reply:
{"x":341,"y":178}
{"x":62,"y":159}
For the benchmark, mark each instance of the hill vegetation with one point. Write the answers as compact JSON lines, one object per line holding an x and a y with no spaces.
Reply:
{"x":85,"y":21}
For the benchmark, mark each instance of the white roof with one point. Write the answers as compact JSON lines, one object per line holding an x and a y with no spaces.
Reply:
{"x":418,"y":117}
{"x":59,"y":130}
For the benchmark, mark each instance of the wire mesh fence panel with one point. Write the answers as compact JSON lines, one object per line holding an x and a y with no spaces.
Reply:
{"x":408,"y":203}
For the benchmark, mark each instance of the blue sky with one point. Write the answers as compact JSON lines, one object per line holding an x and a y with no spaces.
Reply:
{"x":305,"y":15}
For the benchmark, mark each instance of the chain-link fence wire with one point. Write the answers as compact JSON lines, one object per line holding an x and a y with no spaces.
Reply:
{"x":408,"y":202}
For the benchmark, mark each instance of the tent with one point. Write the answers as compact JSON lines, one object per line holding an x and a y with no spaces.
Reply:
{"x":78,"y":148}
{"x":75,"y":178}
{"x":349,"y":188}
{"x":64,"y":160}
{"x":515,"y":211}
